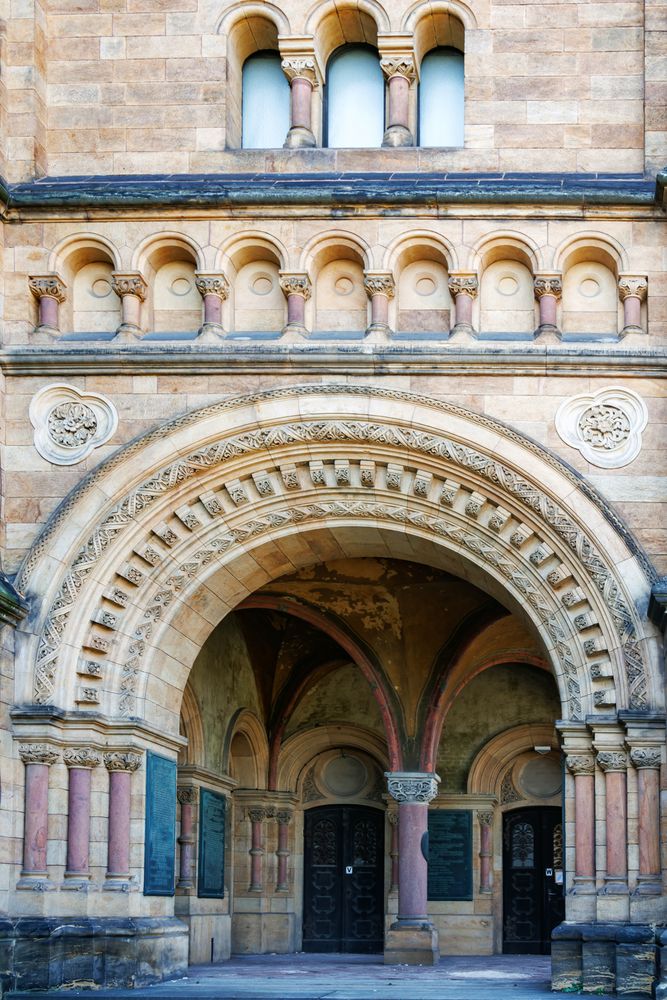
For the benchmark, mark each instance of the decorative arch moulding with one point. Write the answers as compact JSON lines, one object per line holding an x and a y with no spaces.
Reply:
{"x":493,"y":513}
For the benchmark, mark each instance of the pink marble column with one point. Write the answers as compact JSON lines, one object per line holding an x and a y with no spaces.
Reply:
{"x":614,"y":764}
{"x":548,"y":289}
{"x":131,"y":290}
{"x":380,"y":289}
{"x":284,"y":818}
{"x":485,"y":820}
{"x":214,"y":289}
{"x":582,"y":766}
{"x":393,"y":850}
{"x":120,"y":765}
{"x":647,"y":760}
{"x":256,"y":817}
{"x":632,"y":290}
{"x":297,"y":290}
{"x":80,"y":761}
{"x":413,"y":791}
{"x":37,"y":758}
{"x":187,"y":797}
{"x":463,"y":287}
{"x":400,"y":72}
{"x":301,"y":71}
{"x":49,"y":290}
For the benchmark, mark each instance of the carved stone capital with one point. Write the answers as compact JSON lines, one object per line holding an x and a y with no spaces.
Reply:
{"x":51,"y":285}
{"x":300,"y":68}
{"x":648,"y":757}
{"x":631,"y":285}
{"x":187,"y":794}
{"x":81,"y":757}
{"x":379,"y":283}
{"x":550,"y":284}
{"x":129,"y":284}
{"x":463,"y":284}
{"x":295,"y":283}
{"x":398,"y":66}
{"x":580,"y":763}
{"x":485,"y":818}
{"x":122,"y":760}
{"x":284,"y":817}
{"x":38,"y":753}
{"x":212,"y":284}
{"x":612,"y":760}
{"x":256,"y":814}
{"x":412,"y":786}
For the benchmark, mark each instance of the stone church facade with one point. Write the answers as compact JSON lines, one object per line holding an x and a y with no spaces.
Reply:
{"x":333,"y":497}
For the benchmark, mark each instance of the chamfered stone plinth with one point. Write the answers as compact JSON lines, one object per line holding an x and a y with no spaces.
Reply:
{"x":411,"y":946}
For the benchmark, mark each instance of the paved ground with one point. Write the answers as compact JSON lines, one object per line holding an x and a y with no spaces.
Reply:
{"x":348,"y":977}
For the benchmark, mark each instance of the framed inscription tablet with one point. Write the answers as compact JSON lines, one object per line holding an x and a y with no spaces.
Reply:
{"x":160,"y":839}
{"x":450,"y":854}
{"x":211,"y":866}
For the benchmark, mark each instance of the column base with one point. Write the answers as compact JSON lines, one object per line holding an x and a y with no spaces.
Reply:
{"x":406,"y":945}
{"x":547,"y":334}
{"x":583,"y":886}
{"x":614,"y":886}
{"x":378,"y":333}
{"x":632,"y":331}
{"x":127,"y":334}
{"x":49,"y":331}
{"x":462,"y":333}
{"x":648,"y":885}
{"x":294,"y":333}
{"x":398,"y":135}
{"x":299,"y":137}
{"x":210,"y":333}
{"x":36,"y":883}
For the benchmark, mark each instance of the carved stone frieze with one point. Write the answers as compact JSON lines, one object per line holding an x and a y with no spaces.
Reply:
{"x":606,"y":426}
{"x":69,"y":424}
{"x":407,"y":786}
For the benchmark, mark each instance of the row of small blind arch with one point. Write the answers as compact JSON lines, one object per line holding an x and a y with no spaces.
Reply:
{"x":354,"y":99}
{"x":422,"y":303}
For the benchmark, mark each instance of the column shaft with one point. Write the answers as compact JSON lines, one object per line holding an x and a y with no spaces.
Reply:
{"x":412,"y":865}
{"x":35,"y":834}
{"x":78,"y":823}
{"x":118,"y":850}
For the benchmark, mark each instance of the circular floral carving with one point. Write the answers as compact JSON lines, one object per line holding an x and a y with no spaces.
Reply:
{"x":605,"y":426}
{"x":71,"y":424}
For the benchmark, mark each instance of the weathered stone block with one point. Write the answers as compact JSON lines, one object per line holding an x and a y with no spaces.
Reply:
{"x":411,"y":946}
{"x":566,"y":962}
{"x":598,"y":955}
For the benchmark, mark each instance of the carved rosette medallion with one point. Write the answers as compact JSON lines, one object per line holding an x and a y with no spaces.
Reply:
{"x":379,"y":284}
{"x":606,"y":427}
{"x":580,"y":763}
{"x":646,"y":757}
{"x":612,"y":760}
{"x":38,"y":753}
{"x":69,"y":424}
{"x":409,"y":786}
{"x":296,"y":284}
{"x":122,"y":760}
{"x":81,"y":757}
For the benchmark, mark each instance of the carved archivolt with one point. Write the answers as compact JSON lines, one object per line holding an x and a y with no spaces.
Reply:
{"x":447,"y":490}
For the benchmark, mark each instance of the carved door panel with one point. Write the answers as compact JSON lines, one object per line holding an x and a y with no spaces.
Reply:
{"x":532,"y":887}
{"x":343,"y":879}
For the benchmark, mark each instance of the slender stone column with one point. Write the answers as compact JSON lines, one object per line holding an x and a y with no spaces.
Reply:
{"x":187,"y":797}
{"x":37,"y":758}
{"x":80,"y":761}
{"x":284,"y":818}
{"x":582,"y":766}
{"x":400,"y":72}
{"x":614,"y":764}
{"x":647,"y":761}
{"x":632,"y":290}
{"x":463,"y":287}
{"x":301,"y":72}
{"x":120,"y":765}
{"x":548,"y":290}
{"x":214,"y":289}
{"x":485,"y":820}
{"x":49,"y":290}
{"x":256,"y":817}
{"x":380,"y":289}
{"x":131,"y":290}
{"x":297,"y":290}
{"x":393,"y":850}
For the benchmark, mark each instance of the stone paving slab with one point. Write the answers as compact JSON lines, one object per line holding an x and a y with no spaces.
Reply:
{"x":337,"y":977}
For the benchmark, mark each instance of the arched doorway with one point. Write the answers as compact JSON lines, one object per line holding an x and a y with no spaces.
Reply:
{"x":533,"y":902}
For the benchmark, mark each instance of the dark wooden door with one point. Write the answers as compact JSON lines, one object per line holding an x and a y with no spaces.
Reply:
{"x":343,"y":906}
{"x":532,"y":879}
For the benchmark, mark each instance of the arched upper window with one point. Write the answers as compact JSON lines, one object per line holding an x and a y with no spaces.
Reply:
{"x":266,"y":102}
{"x":355,"y":98}
{"x":441,"y":98}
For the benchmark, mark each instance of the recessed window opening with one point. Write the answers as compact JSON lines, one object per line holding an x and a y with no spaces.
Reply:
{"x":266,"y":102}
{"x":441,"y":96}
{"x":354,"y":98}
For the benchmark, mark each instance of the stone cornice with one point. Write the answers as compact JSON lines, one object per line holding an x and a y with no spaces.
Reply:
{"x":40,"y":723}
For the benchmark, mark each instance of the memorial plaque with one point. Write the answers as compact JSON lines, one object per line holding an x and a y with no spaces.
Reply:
{"x":450,"y":854}
{"x":211,"y":867}
{"x":160,"y":840}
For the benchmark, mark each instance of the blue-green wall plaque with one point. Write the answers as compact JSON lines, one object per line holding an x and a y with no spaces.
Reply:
{"x":211,"y":864}
{"x":450,"y":854}
{"x":160,"y":839}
